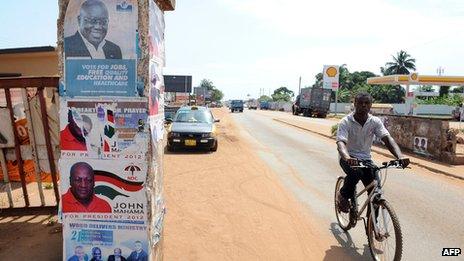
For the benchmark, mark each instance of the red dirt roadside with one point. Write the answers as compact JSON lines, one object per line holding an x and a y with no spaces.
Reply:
{"x":228,"y":205}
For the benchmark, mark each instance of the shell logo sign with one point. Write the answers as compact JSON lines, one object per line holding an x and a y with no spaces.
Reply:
{"x":331,"y":71}
{"x":414,"y":77}
{"x":330,"y":77}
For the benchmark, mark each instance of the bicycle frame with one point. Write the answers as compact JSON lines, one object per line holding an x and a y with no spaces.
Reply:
{"x":376,"y":192}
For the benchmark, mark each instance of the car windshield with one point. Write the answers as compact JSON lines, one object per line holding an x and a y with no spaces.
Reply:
{"x":237,"y":102}
{"x":200,"y":116}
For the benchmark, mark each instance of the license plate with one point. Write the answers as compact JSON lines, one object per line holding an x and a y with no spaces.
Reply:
{"x":190,"y":143}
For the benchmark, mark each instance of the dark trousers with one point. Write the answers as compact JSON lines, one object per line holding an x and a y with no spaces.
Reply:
{"x":366,"y":175}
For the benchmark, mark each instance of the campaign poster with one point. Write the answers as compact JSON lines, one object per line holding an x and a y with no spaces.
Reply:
{"x":157,"y":129}
{"x":100,"y":48}
{"x":111,"y":187}
{"x":156,"y":91}
{"x":156,"y":34}
{"x":94,"y":240}
{"x":104,"y":129}
{"x":103,"y":208}
{"x":420,"y":145}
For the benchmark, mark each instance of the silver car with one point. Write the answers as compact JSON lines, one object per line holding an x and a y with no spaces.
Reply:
{"x":192,"y":127}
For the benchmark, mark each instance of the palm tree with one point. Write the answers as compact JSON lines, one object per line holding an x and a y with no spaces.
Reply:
{"x":402,"y":63}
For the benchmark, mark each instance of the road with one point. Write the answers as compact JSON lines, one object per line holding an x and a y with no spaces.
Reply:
{"x":428,"y":205}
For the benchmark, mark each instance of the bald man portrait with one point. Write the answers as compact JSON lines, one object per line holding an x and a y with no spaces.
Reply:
{"x":81,"y":197}
{"x":89,"y":40}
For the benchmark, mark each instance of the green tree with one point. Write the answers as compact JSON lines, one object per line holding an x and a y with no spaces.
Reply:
{"x":402,"y":64}
{"x":459,"y":89}
{"x":264,"y":98}
{"x":426,"y":88}
{"x":444,"y":90}
{"x":282,"y":94}
{"x":216,"y":94}
{"x":208,"y":84}
{"x":318,"y":82}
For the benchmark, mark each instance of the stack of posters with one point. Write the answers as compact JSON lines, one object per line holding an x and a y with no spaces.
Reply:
{"x":104,"y":134}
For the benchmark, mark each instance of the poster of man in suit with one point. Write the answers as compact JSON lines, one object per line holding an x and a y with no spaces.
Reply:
{"x":100,"y":48}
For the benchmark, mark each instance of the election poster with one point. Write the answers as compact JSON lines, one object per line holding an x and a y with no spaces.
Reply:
{"x":156,"y":91}
{"x":103,"y":205}
{"x":100,"y":48}
{"x":104,"y":128}
{"x":111,"y":187}
{"x":94,"y":240}
{"x":156,"y":34}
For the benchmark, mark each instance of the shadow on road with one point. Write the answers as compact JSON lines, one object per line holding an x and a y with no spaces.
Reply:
{"x":187,"y":151}
{"x":347,"y":250}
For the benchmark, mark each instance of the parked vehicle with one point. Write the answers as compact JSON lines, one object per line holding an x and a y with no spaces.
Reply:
{"x":253,"y":104}
{"x":264,"y":105}
{"x":236,"y":105}
{"x":312,"y":102}
{"x":192,"y":127}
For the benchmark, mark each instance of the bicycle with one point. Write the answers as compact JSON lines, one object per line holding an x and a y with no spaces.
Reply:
{"x":379,"y":233}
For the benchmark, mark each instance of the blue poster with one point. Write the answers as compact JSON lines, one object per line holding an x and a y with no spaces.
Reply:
{"x":100,"y":77}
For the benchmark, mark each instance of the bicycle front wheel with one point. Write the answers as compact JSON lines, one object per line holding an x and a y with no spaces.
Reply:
{"x":342,"y":218}
{"x":387,"y":243}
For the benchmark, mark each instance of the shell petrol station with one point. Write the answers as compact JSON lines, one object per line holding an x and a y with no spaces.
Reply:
{"x":416,"y":79}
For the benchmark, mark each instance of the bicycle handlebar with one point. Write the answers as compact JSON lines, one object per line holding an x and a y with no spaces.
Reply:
{"x":385,"y":165}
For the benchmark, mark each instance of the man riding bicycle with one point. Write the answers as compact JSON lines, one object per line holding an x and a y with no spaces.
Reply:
{"x":355,"y":135}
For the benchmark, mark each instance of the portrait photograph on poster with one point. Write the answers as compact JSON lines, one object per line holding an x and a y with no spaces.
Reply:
{"x":100,"y":48}
{"x":104,"y":129}
{"x":420,"y":145}
{"x":103,"y":186}
{"x":105,"y":241}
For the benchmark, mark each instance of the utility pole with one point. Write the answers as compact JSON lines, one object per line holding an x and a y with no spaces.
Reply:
{"x":299,"y":86}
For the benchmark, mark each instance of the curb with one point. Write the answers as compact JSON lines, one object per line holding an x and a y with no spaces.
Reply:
{"x":376,"y":150}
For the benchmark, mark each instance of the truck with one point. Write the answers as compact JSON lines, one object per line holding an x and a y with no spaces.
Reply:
{"x":264,"y":105}
{"x":252,"y":104}
{"x":312,"y":102}
{"x":236,"y":105}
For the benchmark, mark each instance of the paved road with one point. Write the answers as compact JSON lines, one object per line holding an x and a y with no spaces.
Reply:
{"x":429,"y":206}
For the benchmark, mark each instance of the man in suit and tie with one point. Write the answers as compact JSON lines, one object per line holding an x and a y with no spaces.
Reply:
{"x":138,"y":254}
{"x":89,"y":40}
{"x":117,"y":255}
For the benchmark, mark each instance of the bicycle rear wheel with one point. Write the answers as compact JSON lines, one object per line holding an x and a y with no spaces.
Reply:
{"x":388,"y":243}
{"x":342,"y":218}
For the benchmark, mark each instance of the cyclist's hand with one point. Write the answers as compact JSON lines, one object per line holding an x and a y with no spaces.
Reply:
{"x":404,"y":162}
{"x":352,"y":161}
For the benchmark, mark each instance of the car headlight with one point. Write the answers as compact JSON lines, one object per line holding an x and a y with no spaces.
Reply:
{"x":206,"y":135}
{"x":174,"y":134}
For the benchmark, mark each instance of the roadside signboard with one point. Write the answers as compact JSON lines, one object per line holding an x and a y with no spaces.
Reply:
{"x":330,"y":77}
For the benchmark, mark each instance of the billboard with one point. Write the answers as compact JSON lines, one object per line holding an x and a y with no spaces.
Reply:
{"x":178,"y":83}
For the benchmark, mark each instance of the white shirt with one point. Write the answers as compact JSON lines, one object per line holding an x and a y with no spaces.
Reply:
{"x":359,"y":138}
{"x":95,"y":53}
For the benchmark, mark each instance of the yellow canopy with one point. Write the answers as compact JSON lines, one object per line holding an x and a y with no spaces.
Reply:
{"x":415,"y":79}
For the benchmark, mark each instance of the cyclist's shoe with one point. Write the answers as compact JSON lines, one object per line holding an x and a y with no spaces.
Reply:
{"x":343,"y":203}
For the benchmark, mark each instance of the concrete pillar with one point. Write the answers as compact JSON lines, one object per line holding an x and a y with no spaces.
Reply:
{"x":111,"y":59}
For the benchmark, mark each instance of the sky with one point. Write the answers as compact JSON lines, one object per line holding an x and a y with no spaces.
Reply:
{"x":245,"y":46}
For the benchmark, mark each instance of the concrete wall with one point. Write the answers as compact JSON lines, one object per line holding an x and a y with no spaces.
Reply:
{"x":404,"y":129}
{"x":426,"y":109}
{"x":341,"y":107}
{"x":421,"y":109}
